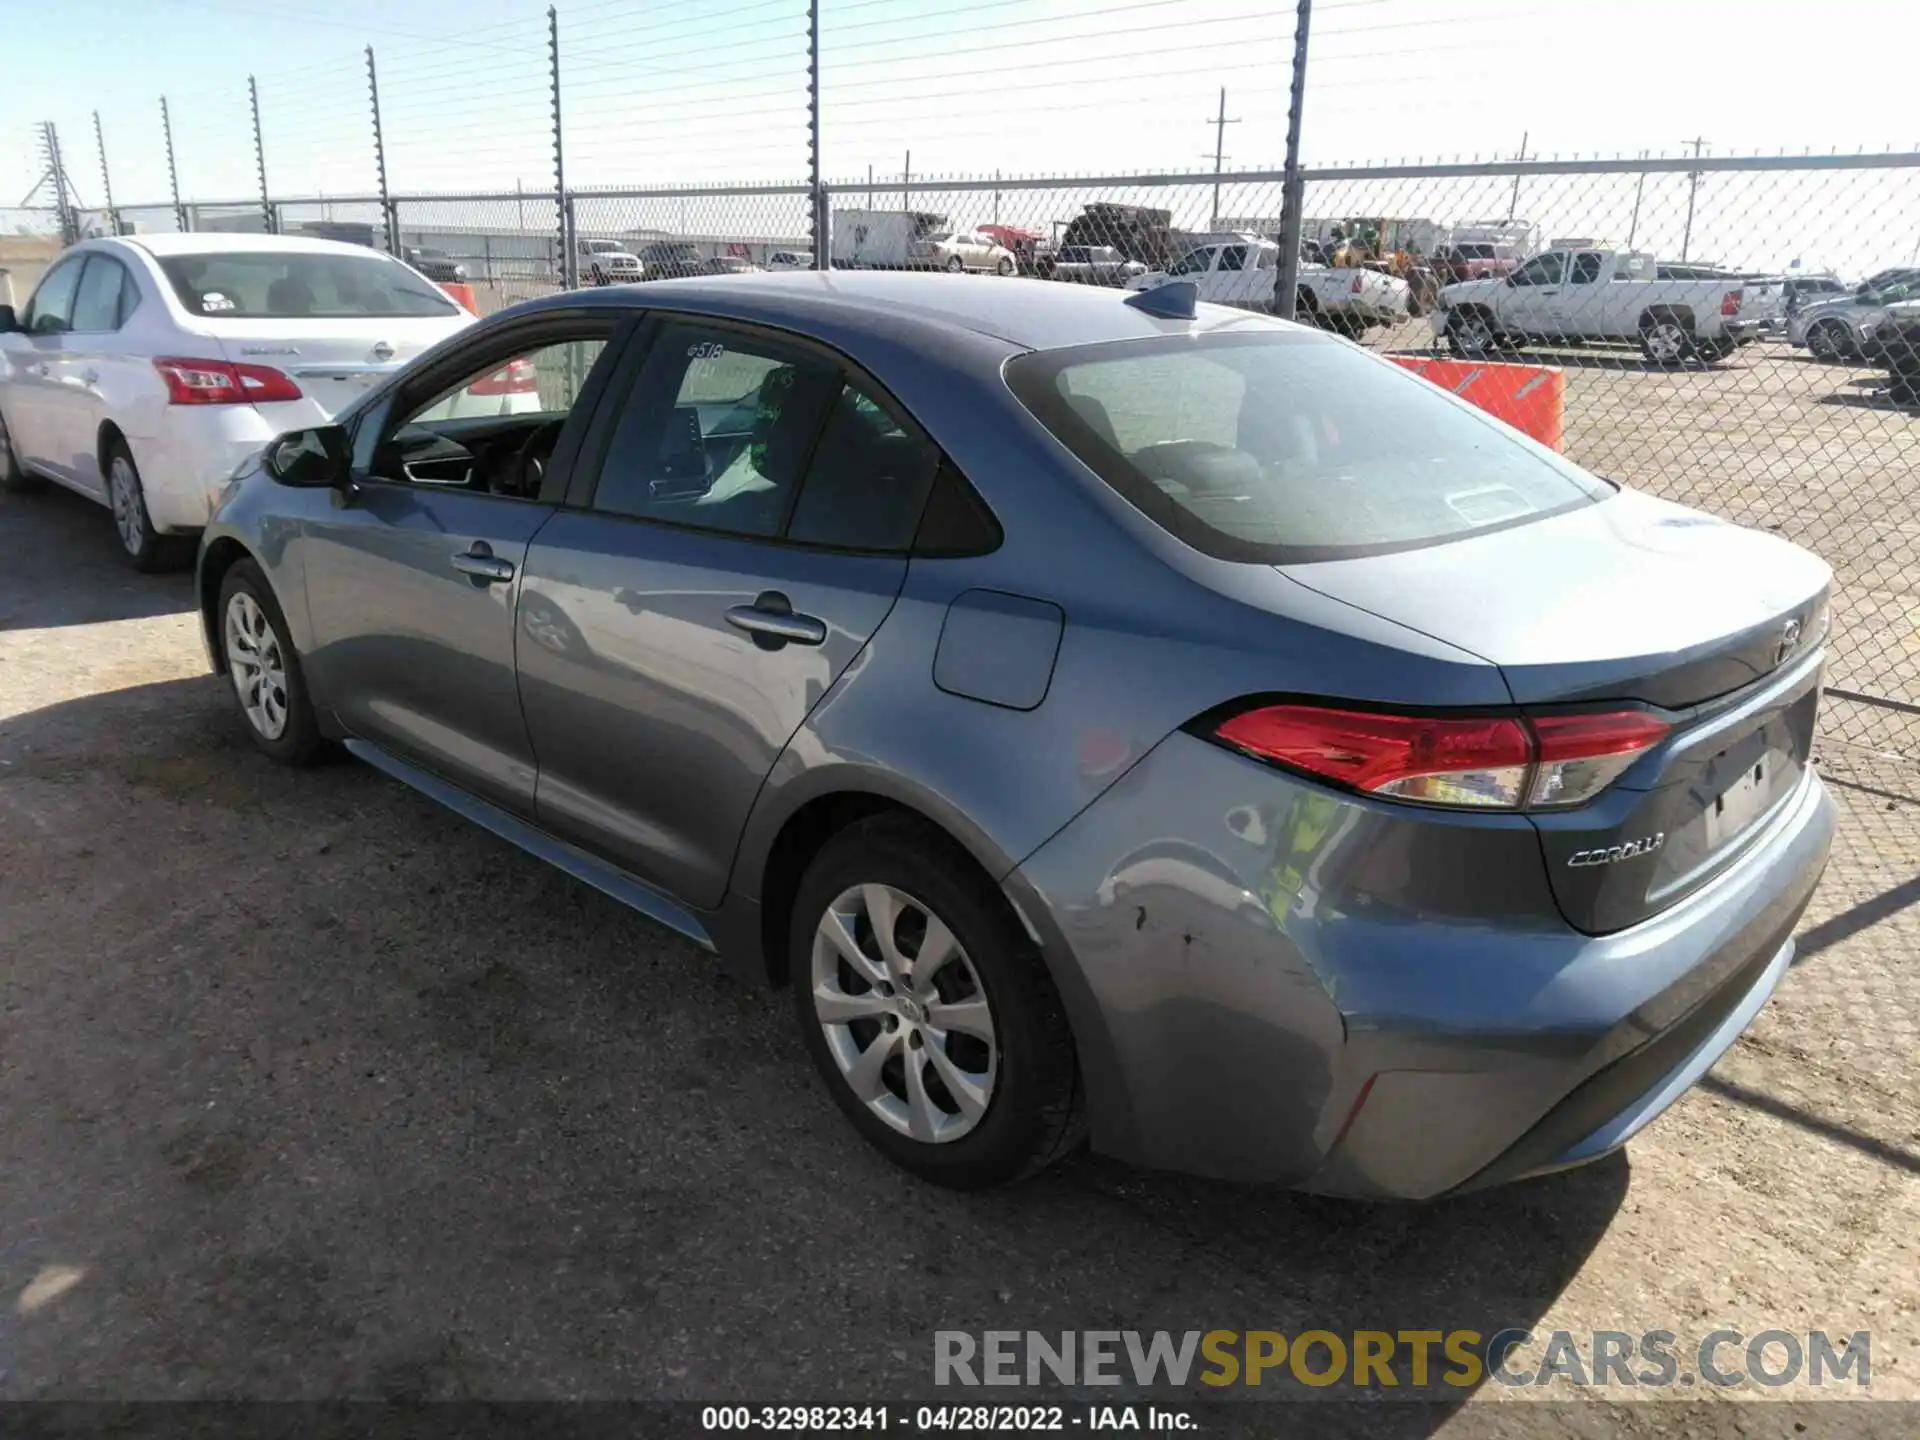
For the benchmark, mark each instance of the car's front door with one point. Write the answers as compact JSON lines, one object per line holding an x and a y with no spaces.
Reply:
{"x":33,"y":371}
{"x":1532,"y":292}
{"x":413,"y":579}
{"x":745,"y":535}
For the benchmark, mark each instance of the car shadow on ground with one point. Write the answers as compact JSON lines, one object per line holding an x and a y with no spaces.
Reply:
{"x":323,"y":1092}
{"x":65,"y":566}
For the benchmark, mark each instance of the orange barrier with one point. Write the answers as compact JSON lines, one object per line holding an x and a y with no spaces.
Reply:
{"x":461,"y":295}
{"x":1531,"y":398}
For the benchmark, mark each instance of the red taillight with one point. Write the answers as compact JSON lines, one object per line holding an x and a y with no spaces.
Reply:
{"x":516,"y":377}
{"x":1359,"y":281}
{"x":1731,"y":302}
{"x":215,"y":382}
{"x":1478,"y":762}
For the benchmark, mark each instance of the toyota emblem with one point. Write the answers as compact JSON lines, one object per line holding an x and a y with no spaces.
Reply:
{"x":1789,"y":640}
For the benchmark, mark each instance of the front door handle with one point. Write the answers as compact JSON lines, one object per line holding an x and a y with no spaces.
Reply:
{"x":482,"y":566}
{"x":771,"y":622}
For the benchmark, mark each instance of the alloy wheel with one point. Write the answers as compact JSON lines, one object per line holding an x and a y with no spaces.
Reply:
{"x":906,"y":1018}
{"x":129,"y":510}
{"x":1474,"y":335}
{"x":1666,"y":342}
{"x":258,"y":665}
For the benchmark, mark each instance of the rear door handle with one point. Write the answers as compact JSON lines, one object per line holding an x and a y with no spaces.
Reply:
{"x":771,"y":621}
{"x":483,"y":566}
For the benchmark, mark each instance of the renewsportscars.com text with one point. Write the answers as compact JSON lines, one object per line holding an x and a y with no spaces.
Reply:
{"x":1413,"y":1359}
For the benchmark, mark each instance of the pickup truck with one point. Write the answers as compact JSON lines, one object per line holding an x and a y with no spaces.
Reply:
{"x":1581,"y":296}
{"x":1240,"y":271}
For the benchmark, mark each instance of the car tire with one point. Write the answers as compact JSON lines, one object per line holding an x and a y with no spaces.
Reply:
{"x":149,"y":551}
{"x":963,"y":1105}
{"x":1666,"y":342}
{"x":597,"y":275}
{"x":1005,"y":267}
{"x":13,"y":479}
{"x":955,"y":265}
{"x":1470,"y":335}
{"x":1306,"y":306}
{"x":263,"y":670}
{"x":1830,"y":340}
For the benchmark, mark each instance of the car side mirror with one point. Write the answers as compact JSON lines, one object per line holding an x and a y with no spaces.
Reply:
{"x":315,"y":458}
{"x":9,"y":321}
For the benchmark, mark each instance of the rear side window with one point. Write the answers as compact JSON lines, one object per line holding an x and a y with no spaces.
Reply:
{"x":297,"y":285}
{"x":1287,"y":448}
{"x":101,"y":302}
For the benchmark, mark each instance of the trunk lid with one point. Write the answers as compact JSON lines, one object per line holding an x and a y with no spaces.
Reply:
{"x":1633,"y":602}
{"x":333,"y":362}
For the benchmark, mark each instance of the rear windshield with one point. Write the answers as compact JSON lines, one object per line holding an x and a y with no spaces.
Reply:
{"x":265,"y":285}
{"x":1281,"y":447}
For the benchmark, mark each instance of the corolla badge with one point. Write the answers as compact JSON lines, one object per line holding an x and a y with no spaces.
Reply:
{"x":1614,"y":854}
{"x":1789,"y":642}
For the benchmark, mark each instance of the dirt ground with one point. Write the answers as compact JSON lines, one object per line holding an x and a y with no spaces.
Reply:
{"x":314,"y":1091}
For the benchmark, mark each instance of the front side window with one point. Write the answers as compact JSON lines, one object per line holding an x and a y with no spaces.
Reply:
{"x":1194,"y":262}
{"x":51,"y":310}
{"x":1234,"y":257}
{"x":1586,"y":268}
{"x":1285,"y":448}
{"x":300,"y":285}
{"x":1541,"y":270}
{"x":542,"y":381}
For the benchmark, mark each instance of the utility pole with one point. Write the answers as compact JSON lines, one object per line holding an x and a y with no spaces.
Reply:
{"x":906,"y":185}
{"x":1693,"y":189}
{"x":1293,"y":194}
{"x":1513,"y":201}
{"x":569,"y":260}
{"x":106,"y":179}
{"x":1639,"y":188}
{"x":388,"y":215}
{"x":173,"y":171}
{"x":1220,"y":123}
{"x":260,"y":157}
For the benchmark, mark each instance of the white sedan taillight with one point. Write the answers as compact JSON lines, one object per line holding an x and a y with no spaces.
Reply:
{"x":215,"y":382}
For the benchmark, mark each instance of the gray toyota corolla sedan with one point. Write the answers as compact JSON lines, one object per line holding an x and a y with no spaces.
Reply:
{"x":1108,"y":716}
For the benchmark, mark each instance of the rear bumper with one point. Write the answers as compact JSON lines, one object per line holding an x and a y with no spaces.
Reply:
{"x":1270,"y":981}
{"x":191,"y":454}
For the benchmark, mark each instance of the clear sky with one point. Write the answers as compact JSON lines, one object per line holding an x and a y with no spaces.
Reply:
{"x":690,"y":90}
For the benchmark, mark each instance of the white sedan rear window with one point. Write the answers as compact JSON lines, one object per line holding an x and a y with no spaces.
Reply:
{"x":294,"y":285}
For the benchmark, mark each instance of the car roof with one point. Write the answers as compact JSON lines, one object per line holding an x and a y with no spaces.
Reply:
{"x":205,"y":242}
{"x":1031,"y":314}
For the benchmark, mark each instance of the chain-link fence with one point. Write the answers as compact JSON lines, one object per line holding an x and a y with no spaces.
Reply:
{"x":1715,"y":326}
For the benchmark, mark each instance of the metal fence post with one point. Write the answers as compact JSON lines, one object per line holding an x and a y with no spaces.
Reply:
{"x":389,"y":217}
{"x":173,"y":170}
{"x":568,"y":266}
{"x":106,"y":178}
{"x":1293,"y":191}
{"x":260,"y":159}
{"x":816,"y":208}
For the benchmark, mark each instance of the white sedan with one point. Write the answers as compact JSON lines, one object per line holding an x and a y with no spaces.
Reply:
{"x":146,"y":368}
{"x":962,"y":250}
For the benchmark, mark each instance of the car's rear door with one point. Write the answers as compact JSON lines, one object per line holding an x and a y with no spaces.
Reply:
{"x":742,"y":538}
{"x":413,"y":580}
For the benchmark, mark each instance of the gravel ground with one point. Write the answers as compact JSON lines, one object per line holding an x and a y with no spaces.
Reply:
{"x":314,"y":1091}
